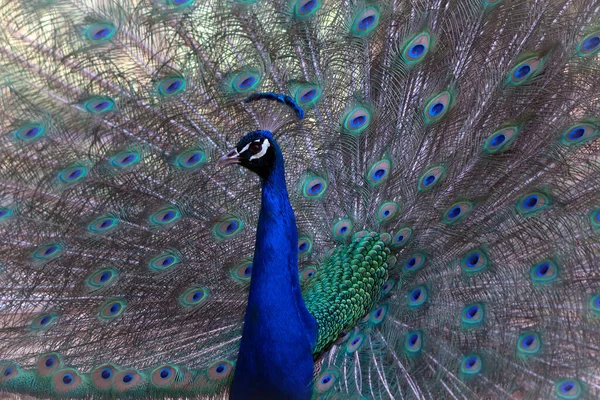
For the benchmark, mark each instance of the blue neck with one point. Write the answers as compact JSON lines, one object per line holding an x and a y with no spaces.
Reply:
{"x":275,"y":359}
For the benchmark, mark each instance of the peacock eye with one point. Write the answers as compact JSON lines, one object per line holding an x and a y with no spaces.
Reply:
{"x":255,"y":148}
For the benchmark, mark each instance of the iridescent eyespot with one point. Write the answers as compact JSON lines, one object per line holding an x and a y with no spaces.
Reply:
{"x":456,"y":212}
{"x":474,"y":261}
{"x":378,"y":315}
{"x":431,"y":177}
{"x":48,"y":252}
{"x":127,"y":380}
{"x":326,"y":380}
{"x":125,"y":160}
{"x":243,"y":271}
{"x":193,"y":296}
{"x":417,"y":296}
{"x":101,"y":278}
{"x":501,"y":139}
{"x":72,"y":175}
{"x":529,"y":343}
{"x":103,"y":225}
{"x":473,"y":314}
{"x":525,"y":70}
{"x":171,"y":86}
{"x":163,"y":262}
{"x":356,"y":120}
{"x":228,"y":228}
{"x":165,"y":216}
{"x":578,"y":134}
{"x":220,"y":370}
{"x":414,"y":263}
{"x":438,"y":106}
{"x":8,"y":371}
{"x":401,"y":237}
{"x":416,"y":49}
{"x":304,"y":246}
{"x":191,"y":159}
{"x":99,"y":105}
{"x":313,"y":187}
{"x":589,"y":45}
{"x":471,"y":364}
{"x":5,"y":212}
{"x":568,"y":389}
{"x":29,"y":132}
{"x":306,"y":8}
{"x":342,"y":228}
{"x":544,"y":271}
{"x":595,"y":304}
{"x":308,"y":273}
{"x":48,"y":363}
{"x":112,"y":309}
{"x":307,"y":95}
{"x":244,"y":82}
{"x":102,"y":376}
{"x":100,"y":32}
{"x":365,"y":21}
{"x":66,"y":380}
{"x":532,"y":203}
{"x":180,"y":3}
{"x":379,"y":172}
{"x":164,"y":376}
{"x":387,"y":211}
{"x":387,"y":287}
{"x":43,"y":321}
{"x":413,"y":342}
{"x":355,"y":342}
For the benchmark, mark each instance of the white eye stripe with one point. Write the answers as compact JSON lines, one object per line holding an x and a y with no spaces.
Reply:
{"x":265,"y":146}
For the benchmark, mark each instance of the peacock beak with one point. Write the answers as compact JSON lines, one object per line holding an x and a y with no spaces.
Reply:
{"x":233,"y":157}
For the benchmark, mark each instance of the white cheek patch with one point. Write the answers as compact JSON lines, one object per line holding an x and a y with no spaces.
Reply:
{"x":265,"y":146}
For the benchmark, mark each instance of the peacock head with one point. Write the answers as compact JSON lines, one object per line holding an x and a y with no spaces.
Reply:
{"x":256,"y":151}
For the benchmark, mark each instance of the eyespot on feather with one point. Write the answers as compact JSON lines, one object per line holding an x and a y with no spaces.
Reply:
{"x":414,"y":263}
{"x":356,"y":120}
{"x":127,"y":380}
{"x":99,"y":32}
{"x":568,"y":389}
{"x":379,"y":172}
{"x":125,"y":159}
{"x":228,"y":228}
{"x":102,"y":277}
{"x":528,"y":344}
{"x":305,"y":246}
{"x":417,"y":296}
{"x":387,"y":211}
{"x":43,"y":321}
{"x":48,"y":363}
{"x":73,"y":174}
{"x":365,"y":21}
{"x":220,"y":370}
{"x":194,"y":296}
{"x":103,"y":376}
{"x":342,"y":228}
{"x":413,"y":342}
{"x":308,"y":273}
{"x":387,"y":287}
{"x":431,"y":177}
{"x":326,"y":380}
{"x":401,"y":237}
{"x":417,"y":48}
{"x":579,"y":134}
{"x":191,"y":159}
{"x":501,"y":139}
{"x":355,"y":343}
{"x":48,"y":252}
{"x":474,"y":261}
{"x":473,"y":315}
{"x":456,"y":212}
{"x":164,"y":376}
{"x":525,"y":70}
{"x":314,"y":187}
{"x":103,"y":225}
{"x":306,"y":8}
{"x":8,"y":371}
{"x":589,"y":45}
{"x":436,"y":108}
{"x":472,"y":364}
{"x":307,"y":95}
{"x":99,"y":104}
{"x":171,"y":86}
{"x":243,"y":271}
{"x":111,"y":309}
{"x":66,"y":380}
{"x":165,"y":216}
{"x":544,"y":271}
{"x":30,"y":131}
{"x":163,"y":262}
{"x":532,"y":203}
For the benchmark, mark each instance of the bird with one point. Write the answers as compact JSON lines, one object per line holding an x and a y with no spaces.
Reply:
{"x":300,"y":199}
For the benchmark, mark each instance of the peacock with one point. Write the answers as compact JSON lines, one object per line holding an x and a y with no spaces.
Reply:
{"x":300,"y":199}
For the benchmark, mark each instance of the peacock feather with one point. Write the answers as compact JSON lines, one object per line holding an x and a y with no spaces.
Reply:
{"x":416,"y":214}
